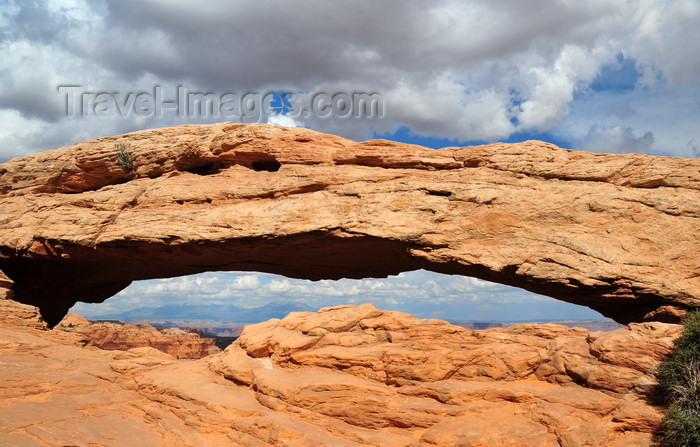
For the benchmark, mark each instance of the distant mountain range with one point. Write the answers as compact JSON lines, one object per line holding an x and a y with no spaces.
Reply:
{"x":213,"y":312}
{"x":591,"y":325}
{"x":228,"y":316}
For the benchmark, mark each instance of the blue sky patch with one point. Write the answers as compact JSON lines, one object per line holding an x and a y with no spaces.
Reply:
{"x":621,"y":76}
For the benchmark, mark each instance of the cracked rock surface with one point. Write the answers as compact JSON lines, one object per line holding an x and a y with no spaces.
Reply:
{"x":617,"y":233}
{"x":343,"y":376}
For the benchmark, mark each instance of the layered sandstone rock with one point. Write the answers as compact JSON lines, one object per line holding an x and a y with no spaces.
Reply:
{"x":124,"y":336}
{"x":554,"y":385}
{"x":18,"y":315}
{"x":345,"y":376}
{"x":617,"y":233}
{"x":6,"y":287}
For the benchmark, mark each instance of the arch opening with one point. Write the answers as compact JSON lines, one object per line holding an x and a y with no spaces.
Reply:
{"x":238,"y":298}
{"x":87,"y":274}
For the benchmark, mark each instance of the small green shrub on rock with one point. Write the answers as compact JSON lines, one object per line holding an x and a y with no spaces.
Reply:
{"x":680,"y":381}
{"x":124,"y":157}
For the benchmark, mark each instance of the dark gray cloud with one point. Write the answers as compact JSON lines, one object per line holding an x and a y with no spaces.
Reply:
{"x":249,"y":44}
{"x":252,"y":43}
{"x":478,"y":70}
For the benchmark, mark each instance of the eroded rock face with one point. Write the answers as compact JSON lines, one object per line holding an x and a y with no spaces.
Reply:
{"x":345,"y":376}
{"x":125,"y":336}
{"x":18,"y":315}
{"x":5,"y":287}
{"x":617,"y":233}
{"x":397,"y":349}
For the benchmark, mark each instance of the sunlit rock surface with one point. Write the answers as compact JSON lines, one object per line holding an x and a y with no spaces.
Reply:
{"x":344,"y":376}
{"x":617,"y":233}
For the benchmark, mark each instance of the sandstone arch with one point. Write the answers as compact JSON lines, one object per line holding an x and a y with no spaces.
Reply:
{"x":617,"y":233}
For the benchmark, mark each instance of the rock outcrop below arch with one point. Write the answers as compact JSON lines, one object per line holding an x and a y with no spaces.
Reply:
{"x":617,"y":233}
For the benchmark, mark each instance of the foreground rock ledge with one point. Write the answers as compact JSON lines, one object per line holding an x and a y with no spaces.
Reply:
{"x":617,"y":233}
{"x":344,"y":376}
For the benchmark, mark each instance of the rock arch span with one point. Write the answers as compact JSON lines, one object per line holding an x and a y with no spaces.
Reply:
{"x":617,"y":233}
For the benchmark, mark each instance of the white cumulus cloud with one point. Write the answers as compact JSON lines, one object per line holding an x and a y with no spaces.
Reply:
{"x":281,"y":119}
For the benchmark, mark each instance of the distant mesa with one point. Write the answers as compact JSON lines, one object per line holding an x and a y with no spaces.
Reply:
{"x":617,"y":233}
{"x":122,"y":337}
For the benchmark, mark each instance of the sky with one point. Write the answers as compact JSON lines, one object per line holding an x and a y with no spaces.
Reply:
{"x":615,"y":76}
{"x":422,"y":293}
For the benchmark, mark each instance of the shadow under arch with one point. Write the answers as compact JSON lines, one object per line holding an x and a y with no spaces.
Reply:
{"x":55,"y":287}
